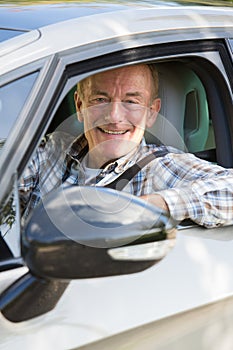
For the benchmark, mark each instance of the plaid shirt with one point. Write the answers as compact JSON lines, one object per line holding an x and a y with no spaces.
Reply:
{"x":192,"y":188}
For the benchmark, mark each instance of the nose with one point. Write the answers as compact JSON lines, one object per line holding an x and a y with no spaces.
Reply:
{"x":115,"y":113}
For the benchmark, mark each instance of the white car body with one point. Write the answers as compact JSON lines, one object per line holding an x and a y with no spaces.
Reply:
{"x":199,"y":269}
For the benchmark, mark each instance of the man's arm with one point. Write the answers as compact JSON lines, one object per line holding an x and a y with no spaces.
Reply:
{"x":199,"y":190}
{"x":156,"y":200}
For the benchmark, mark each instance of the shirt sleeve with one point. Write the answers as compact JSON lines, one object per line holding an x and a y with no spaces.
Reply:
{"x":28,"y":183}
{"x":44,"y":172}
{"x":201,"y":191}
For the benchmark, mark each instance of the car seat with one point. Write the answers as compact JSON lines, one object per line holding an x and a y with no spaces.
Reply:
{"x":183,"y":121}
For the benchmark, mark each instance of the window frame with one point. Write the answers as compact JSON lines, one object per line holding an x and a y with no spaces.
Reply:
{"x":14,"y":157}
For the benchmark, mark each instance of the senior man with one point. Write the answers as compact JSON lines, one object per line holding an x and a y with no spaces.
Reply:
{"x":116,"y":106}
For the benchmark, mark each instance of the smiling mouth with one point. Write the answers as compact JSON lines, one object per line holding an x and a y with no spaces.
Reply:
{"x":113,"y":132}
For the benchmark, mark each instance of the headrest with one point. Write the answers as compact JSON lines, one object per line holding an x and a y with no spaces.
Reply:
{"x":183,"y":121}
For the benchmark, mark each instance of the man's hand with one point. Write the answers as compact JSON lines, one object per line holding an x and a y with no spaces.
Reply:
{"x":156,"y":200}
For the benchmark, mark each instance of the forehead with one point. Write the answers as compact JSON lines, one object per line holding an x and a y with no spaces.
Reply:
{"x":133,"y":77}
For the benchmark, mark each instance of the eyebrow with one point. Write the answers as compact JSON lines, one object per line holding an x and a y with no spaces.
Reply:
{"x":98,"y":92}
{"x":129,"y":94}
{"x":134,"y":94}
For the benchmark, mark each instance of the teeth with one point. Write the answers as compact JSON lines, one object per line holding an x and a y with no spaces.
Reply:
{"x":111,"y":132}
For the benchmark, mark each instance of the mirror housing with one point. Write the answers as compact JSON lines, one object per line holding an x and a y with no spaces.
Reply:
{"x":76,"y":231}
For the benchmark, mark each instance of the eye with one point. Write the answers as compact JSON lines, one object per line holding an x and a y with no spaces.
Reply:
{"x":132,"y":105}
{"x":131,"y":101}
{"x":99,"y":100}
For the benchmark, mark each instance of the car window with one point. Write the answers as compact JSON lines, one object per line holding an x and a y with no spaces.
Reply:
{"x":12,"y":99}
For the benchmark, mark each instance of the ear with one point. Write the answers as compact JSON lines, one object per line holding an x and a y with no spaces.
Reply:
{"x":154,"y":110}
{"x":78,"y":105}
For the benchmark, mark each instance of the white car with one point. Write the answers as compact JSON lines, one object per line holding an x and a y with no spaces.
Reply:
{"x":167,"y":288}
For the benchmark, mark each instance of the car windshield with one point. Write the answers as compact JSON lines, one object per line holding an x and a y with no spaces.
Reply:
{"x":6,"y":34}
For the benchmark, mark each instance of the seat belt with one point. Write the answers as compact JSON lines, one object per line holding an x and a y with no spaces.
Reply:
{"x":129,"y":174}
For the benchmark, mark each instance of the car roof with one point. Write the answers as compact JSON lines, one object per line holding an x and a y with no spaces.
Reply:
{"x":23,"y":16}
{"x":19,"y":17}
{"x":168,"y":23}
{"x":28,"y":17}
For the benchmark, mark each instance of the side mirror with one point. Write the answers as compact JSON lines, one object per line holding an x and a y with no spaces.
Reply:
{"x":83,"y":232}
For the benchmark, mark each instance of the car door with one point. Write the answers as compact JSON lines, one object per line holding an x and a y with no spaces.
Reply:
{"x":198,"y":269}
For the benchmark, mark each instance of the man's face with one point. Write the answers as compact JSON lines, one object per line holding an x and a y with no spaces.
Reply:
{"x":116,"y":108}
